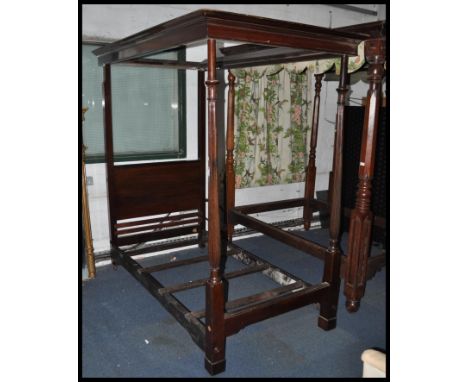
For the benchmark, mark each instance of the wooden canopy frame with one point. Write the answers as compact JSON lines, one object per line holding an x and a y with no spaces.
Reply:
{"x":140,"y":190}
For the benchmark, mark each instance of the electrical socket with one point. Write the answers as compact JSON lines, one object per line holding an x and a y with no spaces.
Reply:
{"x":89,"y":181}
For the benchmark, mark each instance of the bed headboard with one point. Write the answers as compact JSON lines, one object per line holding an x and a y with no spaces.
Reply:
{"x":143,"y":192}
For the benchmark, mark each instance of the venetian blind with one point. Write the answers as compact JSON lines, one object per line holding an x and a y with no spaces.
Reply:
{"x":145,"y":109}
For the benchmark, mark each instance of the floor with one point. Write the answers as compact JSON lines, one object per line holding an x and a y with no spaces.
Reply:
{"x":127,"y":333}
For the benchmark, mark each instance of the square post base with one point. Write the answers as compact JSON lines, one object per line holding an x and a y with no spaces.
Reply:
{"x":215,"y":368}
{"x":327,"y":323}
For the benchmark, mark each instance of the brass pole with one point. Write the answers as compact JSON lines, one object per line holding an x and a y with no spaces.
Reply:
{"x":86,"y":219}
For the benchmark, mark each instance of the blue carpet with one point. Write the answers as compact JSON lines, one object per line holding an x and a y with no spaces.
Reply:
{"x":127,"y":333}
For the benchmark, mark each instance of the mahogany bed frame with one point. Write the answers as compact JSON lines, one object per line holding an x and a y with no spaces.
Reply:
{"x":137,"y":191}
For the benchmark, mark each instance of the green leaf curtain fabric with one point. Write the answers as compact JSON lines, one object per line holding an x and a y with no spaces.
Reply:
{"x":273,"y":118}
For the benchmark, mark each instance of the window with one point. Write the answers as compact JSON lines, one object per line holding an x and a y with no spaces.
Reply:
{"x":148,"y":109}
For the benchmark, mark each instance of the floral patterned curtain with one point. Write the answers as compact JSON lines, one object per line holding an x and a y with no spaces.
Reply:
{"x":273,"y":117}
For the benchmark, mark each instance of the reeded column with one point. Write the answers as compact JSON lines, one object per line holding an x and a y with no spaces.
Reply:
{"x":328,"y":307}
{"x":311,"y":168}
{"x":361,"y":216}
{"x":230,"y":175}
{"x":215,"y":339}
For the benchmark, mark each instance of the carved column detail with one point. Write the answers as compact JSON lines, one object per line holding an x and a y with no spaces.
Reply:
{"x":215,"y":302}
{"x":230,"y":175}
{"x":361,"y":216}
{"x":311,"y":168}
{"x":328,"y":306}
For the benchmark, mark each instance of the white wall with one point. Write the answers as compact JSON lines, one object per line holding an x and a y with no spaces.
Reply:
{"x":111,"y":22}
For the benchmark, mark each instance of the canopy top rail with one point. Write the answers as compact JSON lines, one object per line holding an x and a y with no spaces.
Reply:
{"x":297,"y":40}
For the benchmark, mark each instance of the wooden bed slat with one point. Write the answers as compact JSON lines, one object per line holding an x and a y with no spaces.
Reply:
{"x":174,"y":264}
{"x":243,"y":255}
{"x":141,"y":238}
{"x":155,"y":220}
{"x":201,"y":282}
{"x":154,"y":227}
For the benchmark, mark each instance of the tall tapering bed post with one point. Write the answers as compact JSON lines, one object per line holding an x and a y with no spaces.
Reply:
{"x":215,"y":303}
{"x":230,"y":175}
{"x":311,"y":168}
{"x":202,"y":151}
{"x":328,"y":308}
{"x":109,"y":145}
{"x":361,"y":216}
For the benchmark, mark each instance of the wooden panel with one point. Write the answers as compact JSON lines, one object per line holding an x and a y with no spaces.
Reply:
{"x":157,"y":188}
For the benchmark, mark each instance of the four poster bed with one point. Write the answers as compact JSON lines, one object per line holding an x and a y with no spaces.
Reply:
{"x":177,"y":188}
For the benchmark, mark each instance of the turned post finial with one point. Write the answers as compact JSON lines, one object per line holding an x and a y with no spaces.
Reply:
{"x":231,"y":77}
